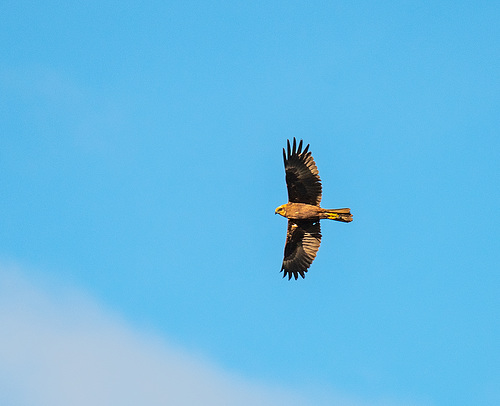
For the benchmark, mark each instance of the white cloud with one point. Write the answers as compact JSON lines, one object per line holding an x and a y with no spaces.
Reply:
{"x":59,"y":347}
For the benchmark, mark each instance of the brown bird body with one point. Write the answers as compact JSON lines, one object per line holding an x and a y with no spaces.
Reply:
{"x":303,"y":210}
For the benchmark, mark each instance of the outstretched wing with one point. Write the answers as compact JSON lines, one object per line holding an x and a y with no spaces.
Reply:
{"x":302,"y":179}
{"x":303,"y":238}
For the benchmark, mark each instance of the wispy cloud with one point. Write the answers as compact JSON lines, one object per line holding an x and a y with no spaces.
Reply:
{"x":91,"y":119}
{"x":60,"y":347}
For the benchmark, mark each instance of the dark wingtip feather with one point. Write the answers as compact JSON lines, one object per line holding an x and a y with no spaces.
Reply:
{"x":294,"y":274}
{"x":284,"y":155}
{"x":294,"y":149}
{"x":299,"y":149}
{"x":288,"y":147}
{"x":306,"y":149}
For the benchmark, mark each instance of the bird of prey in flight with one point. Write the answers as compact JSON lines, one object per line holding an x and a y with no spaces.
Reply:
{"x":303,"y":210}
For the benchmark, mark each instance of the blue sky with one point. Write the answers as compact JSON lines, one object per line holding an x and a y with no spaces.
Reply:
{"x":140,"y":165}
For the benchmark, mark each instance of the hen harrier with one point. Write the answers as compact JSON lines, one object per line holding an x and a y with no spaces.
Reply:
{"x":303,"y":212}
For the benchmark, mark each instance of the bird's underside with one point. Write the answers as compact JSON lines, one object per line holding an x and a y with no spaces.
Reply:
{"x":303,"y":211}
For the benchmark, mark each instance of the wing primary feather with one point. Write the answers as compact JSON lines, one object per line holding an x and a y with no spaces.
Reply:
{"x":284,"y":155}
{"x":302,"y":178}
{"x":302,"y":244}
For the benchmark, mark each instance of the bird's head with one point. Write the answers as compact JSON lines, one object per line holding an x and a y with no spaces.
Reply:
{"x":281,"y":210}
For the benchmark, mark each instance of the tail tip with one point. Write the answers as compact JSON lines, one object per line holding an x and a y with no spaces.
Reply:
{"x":345,"y":217}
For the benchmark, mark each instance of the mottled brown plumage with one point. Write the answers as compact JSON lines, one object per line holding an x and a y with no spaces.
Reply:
{"x":303,"y":210}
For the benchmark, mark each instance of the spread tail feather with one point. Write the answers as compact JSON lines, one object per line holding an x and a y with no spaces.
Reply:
{"x":343,"y":215}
